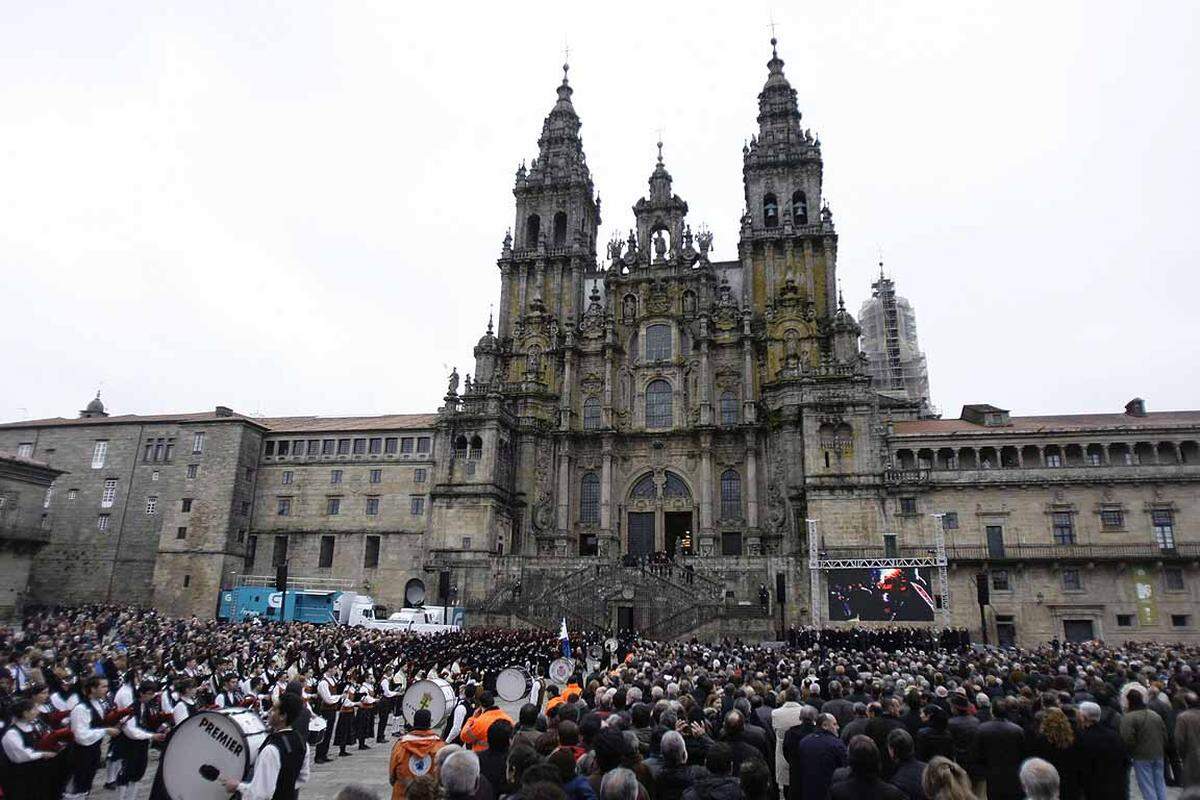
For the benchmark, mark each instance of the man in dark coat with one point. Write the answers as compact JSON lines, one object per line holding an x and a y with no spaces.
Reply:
{"x":997,"y":751}
{"x":734,"y":735}
{"x":908,"y":770}
{"x":864,"y":782}
{"x":493,"y":762}
{"x":885,"y":719}
{"x":817,"y":756}
{"x":1104,"y":761}
{"x":963,"y":727}
{"x":719,"y":783}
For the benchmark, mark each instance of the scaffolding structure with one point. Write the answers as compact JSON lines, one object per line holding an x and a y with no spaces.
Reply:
{"x":819,"y":563}
{"x":889,"y":340}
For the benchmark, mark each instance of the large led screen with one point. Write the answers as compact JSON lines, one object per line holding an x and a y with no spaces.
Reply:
{"x":880,"y":595}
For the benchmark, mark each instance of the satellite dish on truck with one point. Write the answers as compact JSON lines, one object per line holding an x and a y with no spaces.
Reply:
{"x":414,"y":593}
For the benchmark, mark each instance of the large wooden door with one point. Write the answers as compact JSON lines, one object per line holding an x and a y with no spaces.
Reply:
{"x":641,"y":533}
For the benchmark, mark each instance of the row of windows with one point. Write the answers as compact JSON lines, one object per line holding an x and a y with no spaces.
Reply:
{"x":373,"y":476}
{"x":659,"y":414}
{"x":1053,"y":456}
{"x":646,"y":489}
{"x":156,"y":449}
{"x":185,"y":505}
{"x":279,"y":551}
{"x":1177,"y":620}
{"x":1071,"y":579}
{"x":333,"y":506}
{"x":1062,"y":523}
{"x":375,"y":445}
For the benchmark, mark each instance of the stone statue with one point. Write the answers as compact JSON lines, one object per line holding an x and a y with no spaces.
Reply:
{"x":453,"y":389}
{"x":614,"y":250}
{"x":533,"y":361}
{"x":660,"y":247}
{"x":629,"y":308}
{"x":705,"y":241}
{"x":467,"y":384}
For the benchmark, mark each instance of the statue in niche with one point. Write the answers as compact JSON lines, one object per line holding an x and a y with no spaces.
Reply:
{"x":660,"y":247}
{"x":467,"y":383}
{"x":689,"y":303}
{"x":533,"y":361}
{"x":453,"y":388}
{"x":791,"y":347}
{"x":629,"y":308}
{"x":614,"y":250}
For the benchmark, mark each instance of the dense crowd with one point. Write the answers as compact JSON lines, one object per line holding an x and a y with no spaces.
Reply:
{"x":843,"y":713}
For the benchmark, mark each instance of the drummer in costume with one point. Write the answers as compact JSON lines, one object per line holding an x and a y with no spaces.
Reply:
{"x":454,"y":724}
{"x":122,"y":700}
{"x":231,"y":695}
{"x":364,"y":718}
{"x":133,"y":744}
{"x":387,"y":702}
{"x":281,"y":765}
{"x":24,"y":775}
{"x":474,"y":732}
{"x":330,"y":702}
{"x":87,"y":733}
{"x":343,"y":734}
{"x":413,"y":755}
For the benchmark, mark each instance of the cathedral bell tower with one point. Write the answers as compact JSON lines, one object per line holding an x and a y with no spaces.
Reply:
{"x":553,"y":239}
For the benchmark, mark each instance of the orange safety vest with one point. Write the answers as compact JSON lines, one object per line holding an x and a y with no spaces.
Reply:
{"x":474,"y":732}
{"x":412,"y":756}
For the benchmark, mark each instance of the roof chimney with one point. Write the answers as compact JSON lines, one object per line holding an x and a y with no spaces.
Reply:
{"x":224,"y":411}
{"x":1136,"y":407}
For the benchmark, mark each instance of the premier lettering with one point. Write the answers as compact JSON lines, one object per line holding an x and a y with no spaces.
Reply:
{"x":224,"y":739}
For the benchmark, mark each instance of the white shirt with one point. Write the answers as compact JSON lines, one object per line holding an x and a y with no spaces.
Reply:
{"x":385,"y":686}
{"x":183,"y":710}
{"x":261,"y":785}
{"x":325,"y":692}
{"x":14,"y":745}
{"x":81,"y":724}
{"x":61,"y":703}
{"x":460,"y":715}
{"x":134,"y":731}
{"x":124,"y":697}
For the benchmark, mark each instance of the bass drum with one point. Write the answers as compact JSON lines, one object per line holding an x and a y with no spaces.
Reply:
{"x":434,"y":694}
{"x":560,"y":670}
{"x":316,"y":728}
{"x":228,"y":740}
{"x":514,"y":685}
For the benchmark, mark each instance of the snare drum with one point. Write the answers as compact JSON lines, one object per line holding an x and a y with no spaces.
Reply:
{"x":228,"y":740}
{"x":433,"y":694}
{"x":316,"y":728}
{"x":514,"y":684}
{"x":560,"y":670}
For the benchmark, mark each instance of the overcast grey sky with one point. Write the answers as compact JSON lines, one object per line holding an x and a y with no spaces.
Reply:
{"x":296,"y":207}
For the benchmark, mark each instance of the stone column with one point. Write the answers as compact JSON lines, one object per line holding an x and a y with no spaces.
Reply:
{"x":506,"y":276}
{"x":748,"y":395}
{"x":607,"y":409}
{"x":564,"y":396}
{"x":564,"y":487}
{"x":751,"y":481}
{"x":706,"y":410}
{"x":707,"y":532}
{"x":606,"y":486}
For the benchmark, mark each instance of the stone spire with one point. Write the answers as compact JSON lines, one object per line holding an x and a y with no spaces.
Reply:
{"x":778,"y":113}
{"x":560,"y":148}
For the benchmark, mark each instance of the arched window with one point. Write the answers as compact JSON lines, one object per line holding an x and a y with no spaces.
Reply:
{"x":799,"y":208}
{"x":658,"y":404}
{"x":476,"y":447}
{"x":560,"y":229}
{"x":729,"y":409}
{"x":589,"y":498}
{"x":658,"y":342}
{"x":731,"y":495}
{"x":533,"y":229}
{"x":675,"y":487}
{"x":644,"y":489}
{"x":591,"y":413}
{"x":770,"y":211}
{"x":460,"y":446}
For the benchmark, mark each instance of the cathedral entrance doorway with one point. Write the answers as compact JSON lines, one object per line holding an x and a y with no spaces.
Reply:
{"x":659,"y":516}
{"x":641,"y":533}
{"x":678,"y":528}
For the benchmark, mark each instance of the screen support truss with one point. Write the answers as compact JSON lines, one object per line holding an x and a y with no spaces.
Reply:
{"x":818,"y":563}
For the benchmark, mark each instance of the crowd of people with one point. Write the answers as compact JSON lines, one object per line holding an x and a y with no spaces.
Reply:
{"x":895,"y":713}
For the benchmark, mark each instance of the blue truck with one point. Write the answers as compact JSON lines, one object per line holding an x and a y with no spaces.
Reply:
{"x":331,"y":606}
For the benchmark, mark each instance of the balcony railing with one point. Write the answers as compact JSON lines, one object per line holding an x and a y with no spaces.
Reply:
{"x":1147,"y":551}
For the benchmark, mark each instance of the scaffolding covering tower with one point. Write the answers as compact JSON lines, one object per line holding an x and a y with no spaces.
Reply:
{"x":889,"y":339}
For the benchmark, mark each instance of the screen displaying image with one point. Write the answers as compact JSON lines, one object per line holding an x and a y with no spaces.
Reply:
{"x":880,"y":595}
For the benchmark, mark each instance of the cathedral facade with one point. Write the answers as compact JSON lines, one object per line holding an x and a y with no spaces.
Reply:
{"x":649,"y":439}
